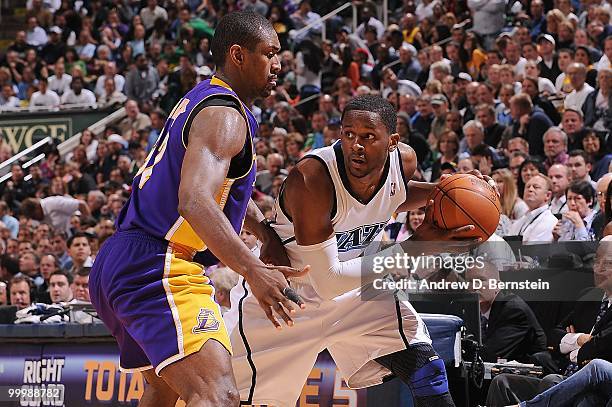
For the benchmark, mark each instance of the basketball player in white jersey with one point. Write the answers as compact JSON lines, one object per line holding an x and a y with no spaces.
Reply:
{"x":334,"y":203}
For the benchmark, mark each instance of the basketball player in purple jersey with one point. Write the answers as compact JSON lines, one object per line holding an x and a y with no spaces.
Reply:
{"x":188,"y":204}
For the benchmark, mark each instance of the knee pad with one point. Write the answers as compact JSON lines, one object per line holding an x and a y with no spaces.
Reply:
{"x":430,"y":379}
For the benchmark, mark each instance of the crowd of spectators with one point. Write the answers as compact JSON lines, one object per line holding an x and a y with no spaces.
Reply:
{"x":519,"y":90}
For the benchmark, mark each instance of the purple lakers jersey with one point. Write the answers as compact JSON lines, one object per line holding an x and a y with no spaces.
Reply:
{"x":153,"y":204}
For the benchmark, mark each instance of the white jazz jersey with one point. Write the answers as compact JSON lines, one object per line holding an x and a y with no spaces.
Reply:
{"x":272,"y":366}
{"x":356,"y":224}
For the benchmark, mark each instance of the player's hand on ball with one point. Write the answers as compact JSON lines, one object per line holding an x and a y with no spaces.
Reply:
{"x":486,"y":178}
{"x":270,"y":288}
{"x":428,"y":231}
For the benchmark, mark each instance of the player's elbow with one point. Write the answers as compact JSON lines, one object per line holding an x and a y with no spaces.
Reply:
{"x":187,"y":205}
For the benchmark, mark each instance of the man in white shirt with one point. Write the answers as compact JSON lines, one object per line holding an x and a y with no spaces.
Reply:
{"x":35,"y":35}
{"x":60,"y":82}
{"x":110,"y":71}
{"x":111,"y":95}
{"x":577,"y":73}
{"x":537,"y":225}
{"x":303,"y":17}
{"x":44,"y":97}
{"x":152,"y":12}
{"x":8,"y":101}
{"x":514,"y":58}
{"x":54,"y":210}
{"x":559,"y":175}
{"x":77,"y":95}
{"x":606,"y":59}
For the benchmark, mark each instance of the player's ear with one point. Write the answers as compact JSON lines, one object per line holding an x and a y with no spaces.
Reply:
{"x":236,"y":54}
{"x":393,"y":141}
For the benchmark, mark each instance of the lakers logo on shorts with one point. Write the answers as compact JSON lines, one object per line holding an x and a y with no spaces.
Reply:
{"x":206,"y":322}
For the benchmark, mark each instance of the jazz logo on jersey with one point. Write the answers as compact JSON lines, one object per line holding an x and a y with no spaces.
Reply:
{"x":206,"y":322}
{"x":358,"y":238}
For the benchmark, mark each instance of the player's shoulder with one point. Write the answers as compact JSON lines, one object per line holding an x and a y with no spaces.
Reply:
{"x":405,"y":150}
{"x":310,"y":176}
{"x":408,"y":158}
{"x":312,"y":170}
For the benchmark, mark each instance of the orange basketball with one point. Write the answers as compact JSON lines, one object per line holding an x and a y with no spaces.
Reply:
{"x":464,"y":199}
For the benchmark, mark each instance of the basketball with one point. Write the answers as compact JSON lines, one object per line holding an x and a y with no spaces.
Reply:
{"x":464,"y":199}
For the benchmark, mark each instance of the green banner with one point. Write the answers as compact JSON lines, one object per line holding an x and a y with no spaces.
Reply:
{"x":21,"y":130}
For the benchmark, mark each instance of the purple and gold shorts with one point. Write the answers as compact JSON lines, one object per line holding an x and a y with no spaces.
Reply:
{"x":156,"y":302}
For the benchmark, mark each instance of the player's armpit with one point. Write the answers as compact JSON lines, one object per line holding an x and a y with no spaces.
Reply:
{"x":308,"y":198}
{"x":417,"y":195}
{"x":417,"y":192}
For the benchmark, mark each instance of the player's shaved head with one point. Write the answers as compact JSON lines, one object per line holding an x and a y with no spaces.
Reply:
{"x":374,"y":104}
{"x":244,"y":28}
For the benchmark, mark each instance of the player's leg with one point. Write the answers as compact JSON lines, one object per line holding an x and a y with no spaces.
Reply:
{"x":423,"y":371}
{"x":271,"y":366}
{"x":157,"y":392}
{"x":204,"y":378}
{"x":386,"y":325}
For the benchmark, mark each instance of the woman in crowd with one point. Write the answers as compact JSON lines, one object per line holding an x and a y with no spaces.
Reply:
{"x":576,"y":223}
{"x":594,"y":146}
{"x":294,"y":143}
{"x":414,"y":219}
{"x":448,"y":147}
{"x":545,"y":86}
{"x":512,"y":205}
{"x":477,"y":56}
{"x":90,"y":142}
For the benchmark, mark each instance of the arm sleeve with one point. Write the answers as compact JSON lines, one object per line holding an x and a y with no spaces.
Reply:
{"x":331,"y":277}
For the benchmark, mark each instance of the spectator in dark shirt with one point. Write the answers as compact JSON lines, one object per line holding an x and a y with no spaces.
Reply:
{"x":529,"y":122}
{"x":421,"y":122}
{"x":485,"y":114}
{"x":81,"y":183}
{"x":530,"y":87}
{"x":16,"y":188}
{"x":548,"y":65}
{"x":510,"y":330}
{"x":142,"y":80}
{"x":55,"y":48}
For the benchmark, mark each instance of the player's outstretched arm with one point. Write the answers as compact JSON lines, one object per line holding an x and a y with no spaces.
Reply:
{"x":213,"y":141}
{"x":418,"y":192}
